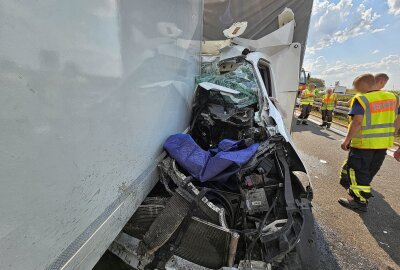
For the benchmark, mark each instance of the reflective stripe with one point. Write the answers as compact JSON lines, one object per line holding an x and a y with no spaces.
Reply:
{"x":353,"y":177}
{"x":328,"y":103}
{"x":386,"y":105}
{"x":356,"y":188}
{"x":344,"y":170}
{"x":367,"y":113}
{"x":383,"y":125}
{"x":307,"y":99}
{"x":366,"y":189}
{"x":374,"y":135}
{"x":378,"y":125}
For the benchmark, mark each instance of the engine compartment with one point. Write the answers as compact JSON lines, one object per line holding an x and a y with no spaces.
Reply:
{"x":252,"y":220}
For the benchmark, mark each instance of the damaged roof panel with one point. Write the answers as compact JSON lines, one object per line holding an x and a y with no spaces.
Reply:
{"x":261,"y":17}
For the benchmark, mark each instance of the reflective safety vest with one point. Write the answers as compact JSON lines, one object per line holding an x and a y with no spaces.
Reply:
{"x":350,"y":102}
{"x":378,"y":126}
{"x":307,"y":98}
{"x":328,"y":102}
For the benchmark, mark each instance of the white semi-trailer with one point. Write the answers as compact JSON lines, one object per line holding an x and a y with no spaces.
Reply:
{"x":90,"y":90}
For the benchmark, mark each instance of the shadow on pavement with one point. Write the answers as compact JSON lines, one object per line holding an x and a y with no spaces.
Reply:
{"x":328,"y":260}
{"x":384,"y":225}
{"x":313,"y":128}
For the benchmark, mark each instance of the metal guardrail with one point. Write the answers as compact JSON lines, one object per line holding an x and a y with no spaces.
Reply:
{"x":341,"y":108}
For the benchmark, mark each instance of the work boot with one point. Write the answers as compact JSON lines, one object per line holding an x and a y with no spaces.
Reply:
{"x":323,"y":124}
{"x":353,"y":205}
{"x":328,"y":125}
{"x":298,"y":122}
{"x":305,"y":122}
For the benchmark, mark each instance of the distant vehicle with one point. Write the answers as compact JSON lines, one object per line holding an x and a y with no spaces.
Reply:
{"x":304,"y":77}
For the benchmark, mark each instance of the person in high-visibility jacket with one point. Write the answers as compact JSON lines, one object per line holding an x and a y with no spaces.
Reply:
{"x":307,"y":101}
{"x":329,"y":102}
{"x":381,"y":80}
{"x":375,"y":120}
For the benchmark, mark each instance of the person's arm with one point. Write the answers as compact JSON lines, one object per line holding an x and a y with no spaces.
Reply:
{"x":397,"y":154}
{"x":355,"y":126}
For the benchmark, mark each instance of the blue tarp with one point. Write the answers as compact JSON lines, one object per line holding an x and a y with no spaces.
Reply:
{"x":214,"y":165}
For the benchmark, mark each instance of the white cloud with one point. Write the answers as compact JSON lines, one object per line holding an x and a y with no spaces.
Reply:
{"x":346,"y":72}
{"x":319,"y":5}
{"x":336,"y":23}
{"x":375,"y":51}
{"x":394,"y":7}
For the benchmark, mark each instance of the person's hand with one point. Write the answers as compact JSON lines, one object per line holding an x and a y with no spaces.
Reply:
{"x":346,"y":145}
{"x":397,"y":155}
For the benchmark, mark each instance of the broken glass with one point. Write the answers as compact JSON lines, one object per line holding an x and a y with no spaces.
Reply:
{"x":240,"y":79}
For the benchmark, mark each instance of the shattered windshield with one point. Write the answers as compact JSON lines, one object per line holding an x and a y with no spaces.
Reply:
{"x":237,"y":76}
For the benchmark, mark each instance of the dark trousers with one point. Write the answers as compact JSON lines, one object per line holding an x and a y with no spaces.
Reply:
{"x":327,"y":116}
{"x":358,"y":171}
{"x":305,"y":111}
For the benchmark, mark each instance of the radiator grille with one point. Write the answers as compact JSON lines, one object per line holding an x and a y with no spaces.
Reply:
{"x":205,"y":244}
{"x":166,"y":223}
{"x":144,"y":216}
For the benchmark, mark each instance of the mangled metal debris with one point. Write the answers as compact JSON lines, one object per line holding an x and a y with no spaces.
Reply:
{"x":254,"y":216}
{"x":228,"y":196}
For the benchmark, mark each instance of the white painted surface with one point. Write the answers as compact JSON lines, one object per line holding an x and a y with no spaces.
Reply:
{"x":340,"y":89}
{"x":285,"y":67}
{"x":213,"y":86}
{"x":89,"y":92}
{"x":272,"y":42}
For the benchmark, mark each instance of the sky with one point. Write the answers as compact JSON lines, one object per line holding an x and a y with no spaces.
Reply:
{"x":351,"y":37}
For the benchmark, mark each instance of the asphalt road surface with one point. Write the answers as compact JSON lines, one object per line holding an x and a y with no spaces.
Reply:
{"x":347,"y":239}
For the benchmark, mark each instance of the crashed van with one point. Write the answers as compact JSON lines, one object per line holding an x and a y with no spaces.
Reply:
{"x":233,"y":192}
